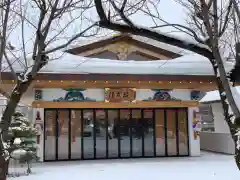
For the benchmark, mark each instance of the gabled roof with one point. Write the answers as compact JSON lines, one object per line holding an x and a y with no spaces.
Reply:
{"x":139,"y":41}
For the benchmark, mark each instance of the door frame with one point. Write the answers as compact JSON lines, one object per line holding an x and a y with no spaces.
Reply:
{"x":119,"y":143}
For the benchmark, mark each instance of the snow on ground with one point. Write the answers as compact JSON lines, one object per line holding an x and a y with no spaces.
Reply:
{"x":209,"y":166}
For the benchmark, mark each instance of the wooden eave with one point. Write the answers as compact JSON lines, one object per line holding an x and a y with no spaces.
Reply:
{"x":141,"y":104}
{"x":211,"y":102}
{"x":113,"y":77}
{"x":122,"y":38}
{"x":48,"y":80}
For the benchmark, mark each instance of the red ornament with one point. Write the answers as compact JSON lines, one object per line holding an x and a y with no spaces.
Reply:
{"x":38,"y":117}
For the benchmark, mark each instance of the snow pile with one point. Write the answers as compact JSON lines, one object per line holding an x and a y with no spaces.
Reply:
{"x":184,"y":65}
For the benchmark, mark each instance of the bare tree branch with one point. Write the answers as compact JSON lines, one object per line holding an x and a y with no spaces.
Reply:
{"x":237,"y":9}
{"x":70,"y":40}
{"x":39,"y":22}
{"x":10,"y":65}
{"x":215,"y":25}
{"x":152,"y":34}
{"x":3,"y":34}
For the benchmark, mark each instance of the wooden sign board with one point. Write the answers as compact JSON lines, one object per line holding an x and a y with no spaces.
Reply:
{"x":120,"y":94}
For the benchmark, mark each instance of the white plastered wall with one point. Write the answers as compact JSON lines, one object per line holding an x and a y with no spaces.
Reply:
{"x":220,"y":140}
{"x":220,"y":124}
{"x":40,"y":146}
{"x":194,"y":145}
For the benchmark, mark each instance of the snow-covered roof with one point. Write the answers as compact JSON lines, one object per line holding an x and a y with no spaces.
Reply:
{"x":184,"y":65}
{"x":148,"y":41}
{"x":63,"y":63}
{"x":213,"y":96}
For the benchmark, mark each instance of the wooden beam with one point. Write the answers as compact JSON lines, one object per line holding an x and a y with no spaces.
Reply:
{"x":140,"y":104}
{"x":123,"y":84}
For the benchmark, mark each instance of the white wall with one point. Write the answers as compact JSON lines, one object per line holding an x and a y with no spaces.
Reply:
{"x":193,"y":144}
{"x":220,"y":140}
{"x":51,"y":94}
{"x":98,"y":94}
{"x":220,"y":124}
{"x":217,"y":142}
{"x":183,"y":94}
{"x":41,"y":133}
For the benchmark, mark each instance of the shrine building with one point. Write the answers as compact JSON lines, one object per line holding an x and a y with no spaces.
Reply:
{"x":120,"y":96}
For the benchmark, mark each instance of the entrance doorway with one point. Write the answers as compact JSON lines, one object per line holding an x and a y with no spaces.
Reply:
{"x":74,"y":134}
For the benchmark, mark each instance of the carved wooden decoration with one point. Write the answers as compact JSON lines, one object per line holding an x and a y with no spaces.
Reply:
{"x":120,"y":95}
{"x":122,"y":51}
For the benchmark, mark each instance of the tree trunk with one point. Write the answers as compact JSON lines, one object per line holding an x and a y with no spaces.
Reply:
{"x":18,"y":91}
{"x":235,"y":129}
{"x":234,"y":126}
{"x":3,"y":168}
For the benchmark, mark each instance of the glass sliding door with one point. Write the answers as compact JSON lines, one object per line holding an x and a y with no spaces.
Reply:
{"x":72,"y":134}
{"x":113,"y":133}
{"x":149,"y":131}
{"x":88,"y":134}
{"x":125,"y":133}
{"x":76,"y":134}
{"x":160,"y":132}
{"x":101,"y":130}
{"x":63,"y":134}
{"x":50,"y":149}
{"x":171,"y":132}
{"x":183,"y":132}
{"x":137,"y":133}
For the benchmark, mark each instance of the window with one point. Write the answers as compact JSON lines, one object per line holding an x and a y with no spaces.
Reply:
{"x":207,"y":117}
